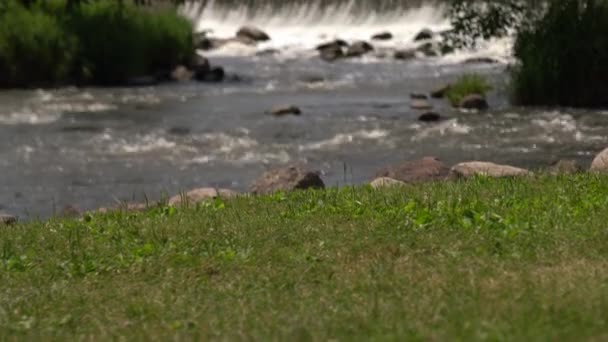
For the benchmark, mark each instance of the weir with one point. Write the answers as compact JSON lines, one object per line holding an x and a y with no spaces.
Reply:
{"x":304,"y":24}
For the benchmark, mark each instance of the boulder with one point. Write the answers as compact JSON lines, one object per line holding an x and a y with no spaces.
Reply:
{"x":200,"y":195}
{"x":404,"y":55}
{"x":385,"y":182}
{"x":600,"y":163}
{"x":285,"y":110}
{"x":424,"y":35}
{"x":439,"y":93}
{"x":423,"y":170}
{"x":333,"y":50}
{"x":287,"y":178}
{"x":418,"y":96}
{"x":473,"y":101}
{"x":267,"y":52}
{"x":477,"y":168}
{"x":213,"y":75}
{"x":181,"y":74}
{"x":7,"y":219}
{"x":480,"y":60}
{"x":252,"y":33}
{"x":243,"y":40}
{"x":382,"y":36}
{"x":126,"y":207}
{"x":562,"y":167}
{"x":420,"y":104}
{"x":358,"y":49}
{"x":331,"y":55}
{"x":429,"y":117}
{"x":69,"y":211}
{"x":142,"y":81}
{"x":338,"y":43}
{"x":429,"y":49}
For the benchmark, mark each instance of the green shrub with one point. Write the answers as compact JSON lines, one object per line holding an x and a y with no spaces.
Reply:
{"x":34,"y":48}
{"x":101,"y":42}
{"x":564,"y":57}
{"x":467,"y":85}
{"x":122,"y":41}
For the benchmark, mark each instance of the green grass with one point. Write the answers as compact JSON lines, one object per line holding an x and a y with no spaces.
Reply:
{"x":479,"y":260}
{"x":467,"y":85}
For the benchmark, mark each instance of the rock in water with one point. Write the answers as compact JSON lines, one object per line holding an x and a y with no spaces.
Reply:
{"x":252,"y":33}
{"x":420,"y":104}
{"x":477,"y":168}
{"x":333,"y":50}
{"x":474,"y":101}
{"x":200,"y":195}
{"x":429,"y":117}
{"x":338,"y":43}
{"x":385,"y":182}
{"x":213,"y":75}
{"x":404,"y":55}
{"x":358,"y":49}
{"x":439,"y":93}
{"x":564,"y":167}
{"x":7,"y":219}
{"x":424,"y":35}
{"x":285,"y":110}
{"x":480,"y":60}
{"x":600,"y":163}
{"x":181,"y":74}
{"x":287,"y":179}
{"x":70,"y":211}
{"x":429,"y":49}
{"x":382,"y":36}
{"x":423,"y":170}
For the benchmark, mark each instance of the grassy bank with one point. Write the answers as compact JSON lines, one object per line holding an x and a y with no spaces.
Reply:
{"x":486,"y":259}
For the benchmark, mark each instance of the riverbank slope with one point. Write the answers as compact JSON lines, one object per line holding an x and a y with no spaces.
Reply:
{"x":481,"y":259}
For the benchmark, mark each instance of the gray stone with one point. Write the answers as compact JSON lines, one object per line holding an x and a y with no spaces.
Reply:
{"x":252,"y":33}
{"x":600,"y":163}
{"x":7,"y":219}
{"x":420,"y":104}
{"x":439,"y":92}
{"x":418,"y":96}
{"x":480,"y":60}
{"x":181,"y":74}
{"x":424,"y":35}
{"x":382,"y":36}
{"x":200,"y":195}
{"x":565,"y":167}
{"x":358,"y":49}
{"x":423,"y":170}
{"x":285,"y":110}
{"x":473,"y":101}
{"x":429,"y":117}
{"x":385,"y":182}
{"x":477,"y":168}
{"x":287,"y":178}
{"x":405,"y":55}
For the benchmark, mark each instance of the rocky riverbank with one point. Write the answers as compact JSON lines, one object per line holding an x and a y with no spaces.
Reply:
{"x":298,"y":177}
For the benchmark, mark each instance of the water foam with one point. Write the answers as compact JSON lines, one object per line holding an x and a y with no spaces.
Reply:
{"x":305,"y":24}
{"x":297,"y":28}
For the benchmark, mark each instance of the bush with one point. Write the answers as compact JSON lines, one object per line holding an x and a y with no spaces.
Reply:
{"x":101,"y":42}
{"x":34,"y":48}
{"x":467,"y":85}
{"x":564,"y":57}
{"x":118,"y":42}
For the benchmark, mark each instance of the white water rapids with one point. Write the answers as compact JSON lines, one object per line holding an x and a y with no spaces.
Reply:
{"x":296,"y":29}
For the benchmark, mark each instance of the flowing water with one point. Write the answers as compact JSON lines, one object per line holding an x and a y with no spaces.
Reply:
{"x":90,"y":147}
